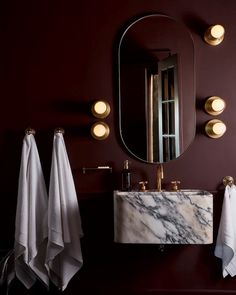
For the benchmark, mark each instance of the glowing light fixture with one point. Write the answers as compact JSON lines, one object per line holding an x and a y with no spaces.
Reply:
{"x":214,"y":35}
{"x":101,"y":109}
{"x":100,"y":130}
{"x":215,"y":128}
{"x":215,"y":105}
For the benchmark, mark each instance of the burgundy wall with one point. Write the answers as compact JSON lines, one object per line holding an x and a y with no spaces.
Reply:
{"x":56,"y":58}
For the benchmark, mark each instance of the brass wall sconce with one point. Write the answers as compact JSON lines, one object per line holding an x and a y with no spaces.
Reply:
{"x":100,"y":130}
{"x":215,"y":128}
{"x":214,"y":105}
{"x":214,"y":35}
{"x":100,"y":109}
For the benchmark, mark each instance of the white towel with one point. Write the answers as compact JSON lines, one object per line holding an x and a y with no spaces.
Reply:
{"x":226,"y":239}
{"x":31,"y":218}
{"x":64,"y":257}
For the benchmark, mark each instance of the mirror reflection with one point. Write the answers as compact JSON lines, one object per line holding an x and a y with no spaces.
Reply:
{"x":156,"y":88}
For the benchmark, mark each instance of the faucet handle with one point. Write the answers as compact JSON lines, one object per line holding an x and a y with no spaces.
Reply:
{"x":174,"y":185}
{"x":143,"y":186}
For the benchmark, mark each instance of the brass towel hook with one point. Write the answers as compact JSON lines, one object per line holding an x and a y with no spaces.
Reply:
{"x":29,"y":131}
{"x":59,"y":130}
{"x":228,"y":180}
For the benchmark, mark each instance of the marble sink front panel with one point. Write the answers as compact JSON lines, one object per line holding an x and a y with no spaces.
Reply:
{"x":184,"y":217}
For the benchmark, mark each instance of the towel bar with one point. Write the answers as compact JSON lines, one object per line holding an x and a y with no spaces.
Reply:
{"x":228,"y":180}
{"x":84,"y":169}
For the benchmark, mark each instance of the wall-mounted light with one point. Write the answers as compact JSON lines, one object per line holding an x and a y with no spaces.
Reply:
{"x":214,"y":105}
{"x":100,"y":130}
{"x":214,"y":35}
{"x":100,"y":109}
{"x":215,"y":128}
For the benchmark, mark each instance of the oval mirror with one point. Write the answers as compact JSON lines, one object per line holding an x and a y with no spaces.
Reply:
{"x":156,"y":88}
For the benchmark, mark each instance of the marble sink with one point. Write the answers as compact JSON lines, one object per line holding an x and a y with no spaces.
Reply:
{"x":183,"y":217}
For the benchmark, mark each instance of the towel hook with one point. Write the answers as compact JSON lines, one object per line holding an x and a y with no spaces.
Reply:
{"x":228,"y":180}
{"x":59,"y":130}
{"x":29,"y":131}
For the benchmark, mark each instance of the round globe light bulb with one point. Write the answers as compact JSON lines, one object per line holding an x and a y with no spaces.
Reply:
{"x":100,"y":107}
{"x":217,"y":31}
{"x":99,"y":130}
{"x":218,"y":105}
{"x":219,"y":128}
{"x":214,"y":105}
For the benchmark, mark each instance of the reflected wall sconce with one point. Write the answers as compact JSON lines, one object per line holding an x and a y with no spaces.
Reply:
{"x":214,"y":35}
{"x":214,"y":105}
{"x":100,"y":109}
{"x":215,"y":128}
{"x":100,"y":130}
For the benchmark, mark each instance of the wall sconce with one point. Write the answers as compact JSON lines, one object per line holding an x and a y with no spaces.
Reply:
{"x":215,"y":128}
{"x":100,"y":130}
{"x":214,"y":35}
{"x":214,"y":105}
{"x":100,"y":109}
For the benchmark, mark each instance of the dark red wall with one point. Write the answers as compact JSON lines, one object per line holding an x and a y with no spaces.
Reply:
{"x":56,"y":57}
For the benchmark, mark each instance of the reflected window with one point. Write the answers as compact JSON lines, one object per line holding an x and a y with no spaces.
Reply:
{"x":162,"y":111}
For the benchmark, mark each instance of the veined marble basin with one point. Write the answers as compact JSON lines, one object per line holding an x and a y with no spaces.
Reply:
{"x":184,"y":217}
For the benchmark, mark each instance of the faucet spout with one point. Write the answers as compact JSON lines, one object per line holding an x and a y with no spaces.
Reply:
{"x":160,"y":176}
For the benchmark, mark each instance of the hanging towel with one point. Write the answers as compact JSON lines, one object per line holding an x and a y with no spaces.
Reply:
{"x":31,"y":218}
{"x":7,"y":271}
{"x":64,"y":257}
{"x":226,"y":239}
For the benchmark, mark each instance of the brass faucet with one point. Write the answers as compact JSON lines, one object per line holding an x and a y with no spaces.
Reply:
{"x":175,"y":185}
{"x":160,"y":176}
{"x":143,"y":186}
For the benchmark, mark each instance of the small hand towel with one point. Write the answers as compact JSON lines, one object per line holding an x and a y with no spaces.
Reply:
{"x":226,"y":239}
{"x":31,"y":218}
{"x":64,"y":256}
